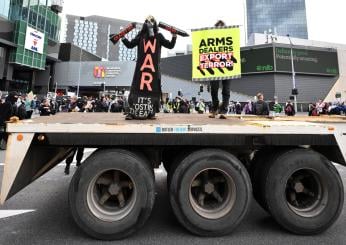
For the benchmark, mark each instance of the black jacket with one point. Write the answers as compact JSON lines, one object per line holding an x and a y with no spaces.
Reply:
{"x":261,"y":108}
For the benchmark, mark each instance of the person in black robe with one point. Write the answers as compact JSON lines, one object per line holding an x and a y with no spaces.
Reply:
{"x":145,"y":93}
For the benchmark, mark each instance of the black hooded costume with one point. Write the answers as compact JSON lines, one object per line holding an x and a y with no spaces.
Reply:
{"x":145,"y":93}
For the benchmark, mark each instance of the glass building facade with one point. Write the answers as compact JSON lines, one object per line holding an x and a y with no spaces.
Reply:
{"x":280,"y":17}
{"x":4,"y":8}
{"x":38,"y":15}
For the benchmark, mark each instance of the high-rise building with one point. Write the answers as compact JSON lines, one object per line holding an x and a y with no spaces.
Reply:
{"x":279,"y":17}
{"x":37,"y":20}
{"x":4,"y":8}
{"x":29,"y":41}
{"x":92,"y":34}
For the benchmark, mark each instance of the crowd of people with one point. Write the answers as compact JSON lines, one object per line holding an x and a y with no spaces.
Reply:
{"x":327,"y":108}
{"x":24,"y":106}
{"x":84,"y":104}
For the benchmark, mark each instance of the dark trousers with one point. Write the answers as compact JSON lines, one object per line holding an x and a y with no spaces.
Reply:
{"x":80,"y":152}
{"x":226,"y":90}
{"x":69,"y":159}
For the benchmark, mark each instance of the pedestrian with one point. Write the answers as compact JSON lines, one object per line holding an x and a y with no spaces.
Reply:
{"x":222,"y":108}
{"x":145,"y":92}
{"x":260,"y":106}
{"x":238,"y":108}
{"x":277,"y":108}
{"x":28,"y":107}
{"x":248,"y":107}
{"x":6,"y":112}
{"x":69,"y":159}
{"x":45,"y":108}
{"x":289,"y":109}
{"x":200,"y":107}
{"x":320,"y":106}
{"x":73,"y":107}
{"x":8,"y":109}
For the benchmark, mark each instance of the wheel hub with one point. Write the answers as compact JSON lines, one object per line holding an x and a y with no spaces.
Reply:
{"x":212,"y":193}
{"x":305,"y":193}
{"x":114,"y":189}
{"x":111,"y":195}
{"x":209,"y":188}
{"x":299,"y":187}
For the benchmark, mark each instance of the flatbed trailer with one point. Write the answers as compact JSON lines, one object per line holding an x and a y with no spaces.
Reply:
{"x":213,"y":168}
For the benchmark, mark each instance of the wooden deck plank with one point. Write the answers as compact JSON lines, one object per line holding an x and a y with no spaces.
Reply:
{"x":195,"y":119}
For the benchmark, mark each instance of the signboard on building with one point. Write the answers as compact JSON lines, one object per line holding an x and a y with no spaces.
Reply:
{"x":34,"y":40}
{"x":106,"y":72}
{"x":216,"y":53}
{"x":307,"y":61}
{"x":257,"y":60}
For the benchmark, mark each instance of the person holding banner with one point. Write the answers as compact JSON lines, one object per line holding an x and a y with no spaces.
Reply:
{"x":145,"y":93}
{"x":214,"y":90}
{"x":216,"y":59}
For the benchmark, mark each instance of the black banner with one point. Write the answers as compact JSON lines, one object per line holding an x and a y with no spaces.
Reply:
{"x":145,"y":93}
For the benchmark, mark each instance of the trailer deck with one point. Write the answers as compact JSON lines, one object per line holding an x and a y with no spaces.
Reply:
{"x":169,"y":123}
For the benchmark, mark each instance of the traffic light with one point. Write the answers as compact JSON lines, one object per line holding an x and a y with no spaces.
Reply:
{"x":295,"y":91}
{"x":179,"y":92}
{"x":201,"y":88}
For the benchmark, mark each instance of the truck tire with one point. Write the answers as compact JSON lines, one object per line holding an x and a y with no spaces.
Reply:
{"x":112,"y":194}
{"x":260,"y":165}
{"x":304,"y":192}
{"x":175,"y":163}
{"x":210,"y":192}
{"x":258,"y":170}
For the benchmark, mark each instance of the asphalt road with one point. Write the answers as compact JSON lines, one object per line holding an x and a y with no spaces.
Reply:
{"x":51,"y":222}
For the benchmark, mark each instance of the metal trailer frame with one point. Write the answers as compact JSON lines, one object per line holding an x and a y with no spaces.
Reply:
{"x":36,"y":146}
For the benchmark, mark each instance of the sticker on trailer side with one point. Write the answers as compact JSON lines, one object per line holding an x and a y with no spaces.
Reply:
{"x":182,"y":129}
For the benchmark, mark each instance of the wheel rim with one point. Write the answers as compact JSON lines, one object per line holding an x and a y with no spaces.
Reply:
{"x":111,"y":195}
{"x":306,"y":194}
{"x":212,"y":193}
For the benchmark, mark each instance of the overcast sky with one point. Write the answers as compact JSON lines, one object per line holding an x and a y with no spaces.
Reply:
{"x":326,"y":19}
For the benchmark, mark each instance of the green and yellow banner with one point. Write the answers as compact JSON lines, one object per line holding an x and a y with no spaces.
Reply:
{"x":216,"y":53}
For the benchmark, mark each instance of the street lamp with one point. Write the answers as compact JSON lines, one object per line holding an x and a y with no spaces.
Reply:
{"x":294,"y":90}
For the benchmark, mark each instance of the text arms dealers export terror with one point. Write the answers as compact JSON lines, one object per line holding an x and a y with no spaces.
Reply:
{"x":116,"y":37}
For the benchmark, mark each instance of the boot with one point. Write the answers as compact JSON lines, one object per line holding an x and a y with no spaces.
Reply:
{"x":223,"y":111}
{"x":67,"y":170}
{"x":213,"y":114}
